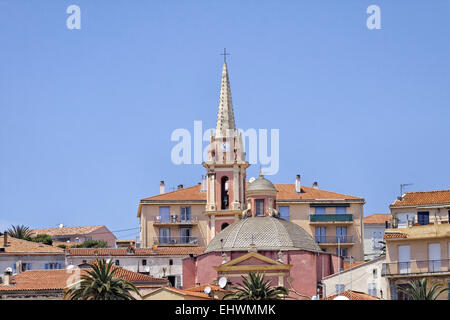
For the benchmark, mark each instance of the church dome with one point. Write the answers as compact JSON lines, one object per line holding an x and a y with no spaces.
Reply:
{"x":266,"y":233}
{"x":261,"y":184}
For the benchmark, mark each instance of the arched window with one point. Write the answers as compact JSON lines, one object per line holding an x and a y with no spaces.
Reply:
{"x":224,"y":225}
{"x":224,"y":193}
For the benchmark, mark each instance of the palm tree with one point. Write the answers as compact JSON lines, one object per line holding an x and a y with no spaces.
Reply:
{"x":20,"y":232}
{"x":417,"y":290}
{"x":101,"y":284}
{"x":255,"y":288}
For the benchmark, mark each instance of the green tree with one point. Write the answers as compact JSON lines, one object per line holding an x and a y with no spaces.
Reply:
{"x":417,"y":290}
{"x":100,"y":283}
{"x":92,"y":244}
{"x":20,"y":232}
{"x":256,"y":288}
{"x":44,"y":238}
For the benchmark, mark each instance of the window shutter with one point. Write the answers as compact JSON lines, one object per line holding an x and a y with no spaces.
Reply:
{"x":59,"y":265}
{"x":46,"y":266}
{"x":28,"y":266}
{"x":14,"y":268}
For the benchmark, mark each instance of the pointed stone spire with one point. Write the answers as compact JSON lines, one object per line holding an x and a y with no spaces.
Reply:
{"x":225,"y":115}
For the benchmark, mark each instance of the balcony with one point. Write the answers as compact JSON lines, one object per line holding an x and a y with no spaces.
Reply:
{"x":416,"y":268}
{"x":176,"y":241}
{"x":175,"y":219}
{"x":330,"y":219}
{"x":335,"y":240}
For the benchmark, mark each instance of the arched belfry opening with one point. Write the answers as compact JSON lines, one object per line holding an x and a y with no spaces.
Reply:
{"x":224,"y":225}
{"x":225,"y":202}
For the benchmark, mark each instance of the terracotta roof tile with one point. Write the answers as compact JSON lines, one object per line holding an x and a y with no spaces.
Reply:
{"x":423,"y":198}
{"x":29,"y":247}
{"x":285,"y":192}
{"x":138,"y":251}
{"x":59,"y":279}
{"x":355,"y":295}
{"x":202,"y":288}
{"x":396,"y":235}
{"x":348,"y":266}
{"x":377,"y":218}
{"x":66,"y":231}
{"x":179,"y":291}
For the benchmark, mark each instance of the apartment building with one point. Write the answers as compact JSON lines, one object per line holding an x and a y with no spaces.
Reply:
{"x":374,"y":227}
{"x":418,"y":241}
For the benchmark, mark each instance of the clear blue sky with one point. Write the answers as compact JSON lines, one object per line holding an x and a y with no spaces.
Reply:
{"x":86,"y":115}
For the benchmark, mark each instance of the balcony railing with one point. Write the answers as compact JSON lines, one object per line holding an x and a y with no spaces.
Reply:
{"x":334,"y":239}
{"x":175,"y":219}
{"x":330,"y":217}
{"x":186,"y":240}
{"x":415,"y":267}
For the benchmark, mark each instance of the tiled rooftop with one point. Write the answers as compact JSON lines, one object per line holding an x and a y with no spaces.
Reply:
{"x":423,"y":198}
{"x":23,"y":246}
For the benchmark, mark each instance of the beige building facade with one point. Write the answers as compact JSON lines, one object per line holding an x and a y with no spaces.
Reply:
{"x":418,"y":242}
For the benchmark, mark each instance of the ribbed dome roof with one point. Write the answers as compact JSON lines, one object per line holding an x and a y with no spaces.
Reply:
{"x":261,"y":184}
{"x":267,"y":233}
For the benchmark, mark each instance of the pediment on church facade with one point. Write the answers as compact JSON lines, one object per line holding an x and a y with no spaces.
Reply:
{"x":252,"y":261}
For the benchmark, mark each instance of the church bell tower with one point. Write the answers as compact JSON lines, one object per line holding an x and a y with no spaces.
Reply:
{"x":226,"y":166}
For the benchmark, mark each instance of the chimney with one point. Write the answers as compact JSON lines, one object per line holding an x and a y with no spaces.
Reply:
{"x":162,"y":187}
{"x":298,"y":187}
{"x":7,"y":277}
{"x":315,"y":185}
{"x":180,"y":186}
{"x":5,"y":239}
{"x":203,"y":184}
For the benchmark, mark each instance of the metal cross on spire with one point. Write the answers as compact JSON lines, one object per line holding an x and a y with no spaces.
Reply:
{"x":224,"y":54}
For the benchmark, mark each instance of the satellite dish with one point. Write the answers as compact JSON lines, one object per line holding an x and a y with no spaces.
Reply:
{"x":207,"y":289}
{"x":315,"y":298}
{"x":222,"y":282}
{"x":9,"y":270}
{"x":251,"y":179}
{"x":70,"y":267}
{"x":147,"y":268}
{"x":341,"y":298}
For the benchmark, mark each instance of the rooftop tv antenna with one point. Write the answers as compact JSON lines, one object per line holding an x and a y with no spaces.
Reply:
{"x":402,"y":186}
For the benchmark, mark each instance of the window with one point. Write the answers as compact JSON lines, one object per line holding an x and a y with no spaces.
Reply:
{"x":185,"y":214}
{"x":341,"y":210}
{"x":340,"y":288}
{"x":185,"y":235}
{"x":341,"y":234}
{"x":53,"y":265}
{"x":170,"y":262}
{"x":284,"y":212}
{"x":164,"y":235}
{"x":224,"y":188}
{"x":164,"y":213}
{"x":374,"y":273}
{"x":372,"y":289}
{"x":117,"y":262}
{"x":319,"y":210}
{"x":259,"y":207}
{"x":26,"y":266}
{"x":423,"y":217}
{"x":343,"y":252}
{"x":84,"y":261}
{"x":144,"y":262}
{"x":321,"y":234}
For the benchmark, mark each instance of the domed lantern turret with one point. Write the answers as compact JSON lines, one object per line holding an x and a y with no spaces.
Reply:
{"x":261,"y":198}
